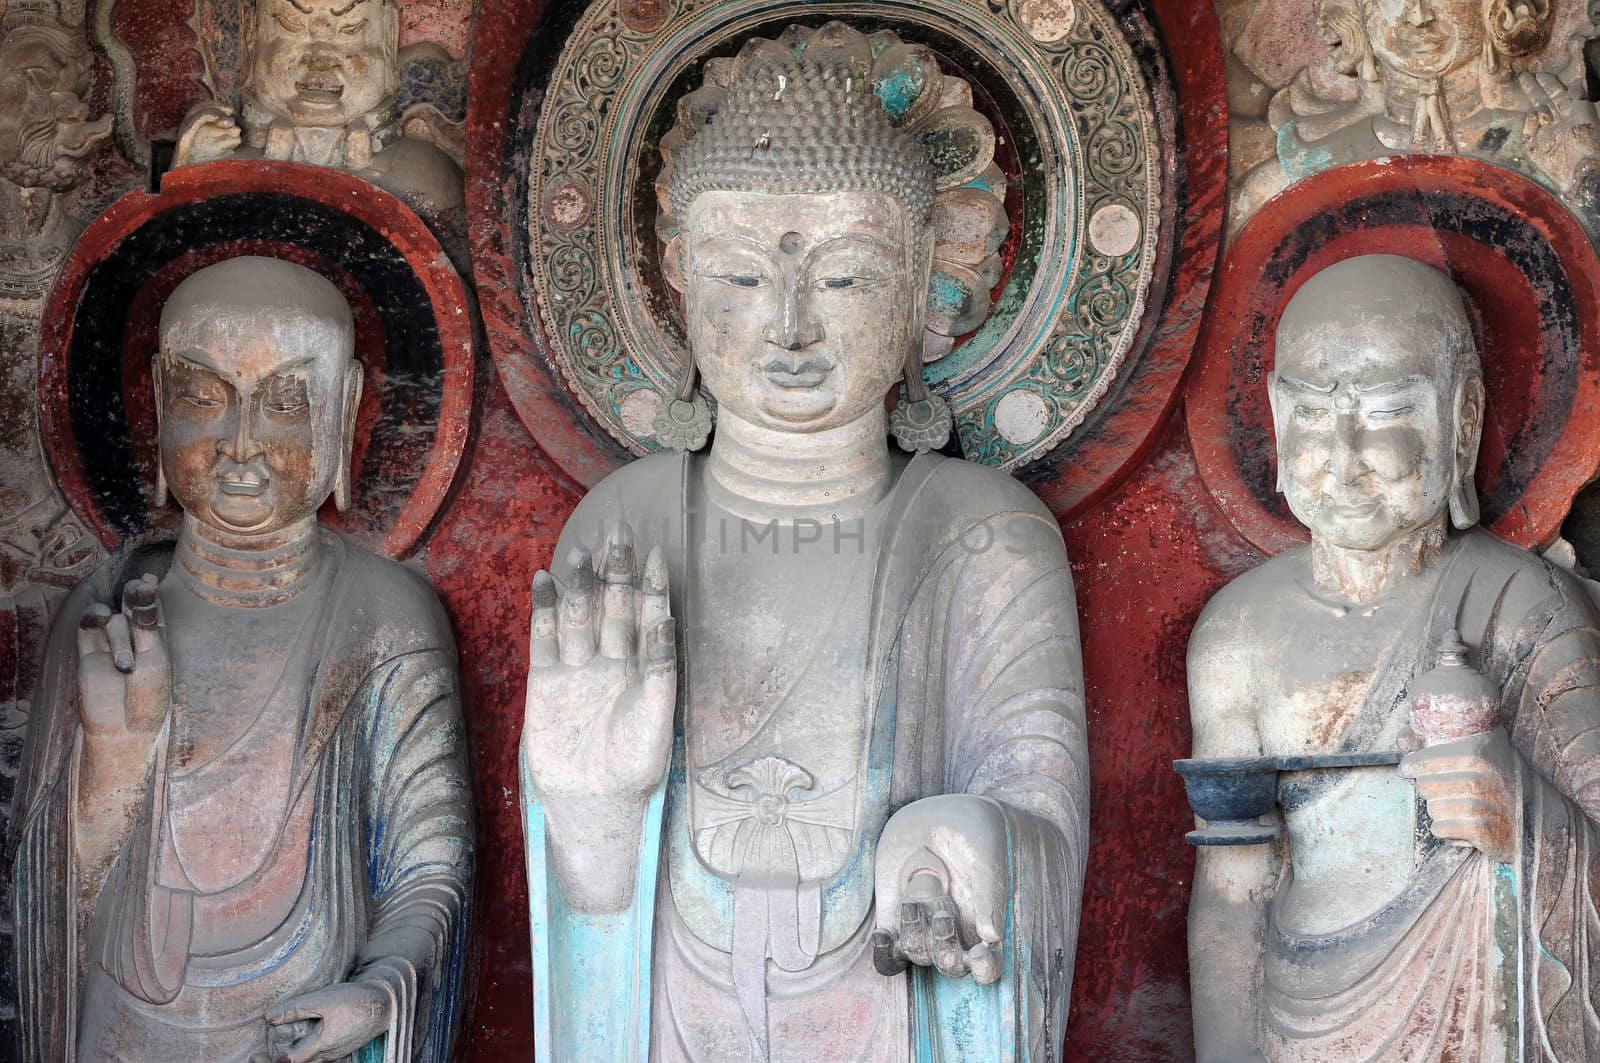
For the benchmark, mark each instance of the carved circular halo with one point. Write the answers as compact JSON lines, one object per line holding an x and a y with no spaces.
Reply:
{"x":1533,"y":286}
{"x":414,"y":339}
{"x":1074,"y":125}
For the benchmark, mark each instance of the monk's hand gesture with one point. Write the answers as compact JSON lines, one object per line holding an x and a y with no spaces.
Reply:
{"x":943,"y":888}
{"x":1470,"y":786}
{"x":332,"y":1023}
{"x":597,"y":733}
{"x":124,"y":677}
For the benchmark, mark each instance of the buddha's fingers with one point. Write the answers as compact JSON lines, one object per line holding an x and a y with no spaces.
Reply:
{"x":619,"y":613}
{"x":887,"y":959}
{"x":948,"y":956}
{"x":660,"y":682}
{"x":575,"y":631}
{"x":654,"y":603}
{"x":913,"y":935}
{"x":983,"y":960}
{"x":544,"y":648}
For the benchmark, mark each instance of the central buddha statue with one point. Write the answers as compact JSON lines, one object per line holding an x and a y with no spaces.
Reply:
{"x":244,"y":823}
{"x":1444,"y":909}
{"x":803,"y":768}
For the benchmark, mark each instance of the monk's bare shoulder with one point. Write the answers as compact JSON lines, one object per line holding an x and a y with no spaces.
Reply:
{"x":1224,"y":653}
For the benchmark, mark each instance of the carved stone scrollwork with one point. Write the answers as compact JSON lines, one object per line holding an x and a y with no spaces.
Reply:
{"x":1048,"y":214}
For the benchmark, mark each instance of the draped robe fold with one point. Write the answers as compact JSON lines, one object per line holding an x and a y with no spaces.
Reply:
{"x":1474,"y":959}
{"x":960,"y":622}
{"x":371,"y":856}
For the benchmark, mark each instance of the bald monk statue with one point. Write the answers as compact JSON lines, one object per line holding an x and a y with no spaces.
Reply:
{"x":245,"y":826}
{"x":803,"y":769}
{"x":1444,"y":910}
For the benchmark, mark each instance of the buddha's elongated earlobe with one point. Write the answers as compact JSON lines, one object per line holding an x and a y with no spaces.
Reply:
{"x":347,"y":442}
{"x":684,"y":421}
{"x":922,"y":422}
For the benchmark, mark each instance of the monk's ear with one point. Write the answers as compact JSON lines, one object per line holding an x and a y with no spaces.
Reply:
{"x":161,"y":471}
{"x":347,"y":440}
{"x":1277,"y":429}
{"x":1468,"y":434}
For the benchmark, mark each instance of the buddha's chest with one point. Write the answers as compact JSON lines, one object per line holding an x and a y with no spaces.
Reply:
{"x":780,"y":715}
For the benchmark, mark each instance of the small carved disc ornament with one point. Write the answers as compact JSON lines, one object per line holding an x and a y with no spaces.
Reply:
{"x":1039,"y":123}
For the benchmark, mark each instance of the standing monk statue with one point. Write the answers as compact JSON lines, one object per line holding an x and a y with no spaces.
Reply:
{"x":803,"y":769}
{"x":245,"y":821}
{"x":1444,"y":909}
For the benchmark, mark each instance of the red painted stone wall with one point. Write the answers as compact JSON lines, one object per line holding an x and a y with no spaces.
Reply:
{"x":1148,"y":546}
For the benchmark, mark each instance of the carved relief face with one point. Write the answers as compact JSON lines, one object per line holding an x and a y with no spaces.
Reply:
{"x":1425,"y":38}
{"x":324,"y":62}
{"x":44,"y":132}
{"x":252,"y":429}
{"x":1365,"y":435}
{"x":801,"y":308}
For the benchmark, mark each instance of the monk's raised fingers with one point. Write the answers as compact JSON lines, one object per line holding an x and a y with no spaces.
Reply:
{"x":575,"y":631}
{"x":544,"y":649}
{"x":619,"y":608}
{"x":91,"y":629}
{"x":141,"y":602}
{"x":121,"y":640}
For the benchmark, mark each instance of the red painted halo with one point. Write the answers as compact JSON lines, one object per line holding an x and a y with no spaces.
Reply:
{"x":412,"y":319}
{"x":1533,"y":285}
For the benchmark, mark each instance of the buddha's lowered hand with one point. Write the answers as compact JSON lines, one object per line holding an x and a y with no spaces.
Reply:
{"x":943,"y":883}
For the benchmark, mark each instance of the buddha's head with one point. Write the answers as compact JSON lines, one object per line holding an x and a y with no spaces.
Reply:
{"x":45,"y":132}
{"x":1431,"y":38}
{"x":256,"y":391}
{"x":1377,"y":401}
{"x":324,"y":62}
{"x":806,"y":244}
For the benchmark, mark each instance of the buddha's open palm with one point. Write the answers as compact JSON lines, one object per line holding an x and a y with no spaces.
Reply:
{"x":602,"y":679}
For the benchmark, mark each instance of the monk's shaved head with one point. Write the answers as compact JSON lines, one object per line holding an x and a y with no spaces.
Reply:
{"x":244,"y":303}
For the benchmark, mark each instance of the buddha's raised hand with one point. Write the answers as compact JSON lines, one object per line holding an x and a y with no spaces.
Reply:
{"x":597,"y":734}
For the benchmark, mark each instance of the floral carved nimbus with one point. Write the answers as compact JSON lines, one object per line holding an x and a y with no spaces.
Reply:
{"x":1049,"y":219}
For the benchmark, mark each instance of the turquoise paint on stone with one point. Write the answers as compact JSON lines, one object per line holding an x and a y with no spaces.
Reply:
{"x":946,"y":295}
{"x":898,"y":92}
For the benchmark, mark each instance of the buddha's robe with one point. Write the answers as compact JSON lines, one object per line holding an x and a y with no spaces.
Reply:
{"x":936,"y":655}
{"x":355,"y":865}
{"x":1473,"y":959}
